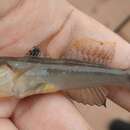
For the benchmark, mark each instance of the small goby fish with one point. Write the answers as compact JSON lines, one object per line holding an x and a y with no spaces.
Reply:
{"x":22,"y":77}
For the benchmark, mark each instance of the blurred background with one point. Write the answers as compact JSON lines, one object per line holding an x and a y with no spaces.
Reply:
{"x":115,"y":14}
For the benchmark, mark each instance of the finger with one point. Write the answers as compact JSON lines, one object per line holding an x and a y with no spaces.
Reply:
{"x":6,"y":124}
{"x":88,"y":30}
{"x":25,"y":31}
{"x":121,"y":96}
{"x":7,"y":106}
{"x":48,"y":112}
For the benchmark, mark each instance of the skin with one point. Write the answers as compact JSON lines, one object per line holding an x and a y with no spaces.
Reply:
{"x":52,"y":25}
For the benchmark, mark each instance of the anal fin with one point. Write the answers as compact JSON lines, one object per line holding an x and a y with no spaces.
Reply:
{"x":92,"y":96}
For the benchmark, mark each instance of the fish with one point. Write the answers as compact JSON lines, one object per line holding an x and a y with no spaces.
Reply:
{"x":83,"y":82}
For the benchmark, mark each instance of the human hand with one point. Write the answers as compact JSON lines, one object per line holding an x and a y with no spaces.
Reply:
{"x":55,"y":27}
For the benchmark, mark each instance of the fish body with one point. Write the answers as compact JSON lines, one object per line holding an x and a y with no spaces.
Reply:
{"x":21,"y":77}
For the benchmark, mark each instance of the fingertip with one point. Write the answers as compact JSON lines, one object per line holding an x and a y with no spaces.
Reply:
{"x":47,"y":112}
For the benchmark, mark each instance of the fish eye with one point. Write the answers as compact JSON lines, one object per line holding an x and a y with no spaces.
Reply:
{"x":34,"y":52}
